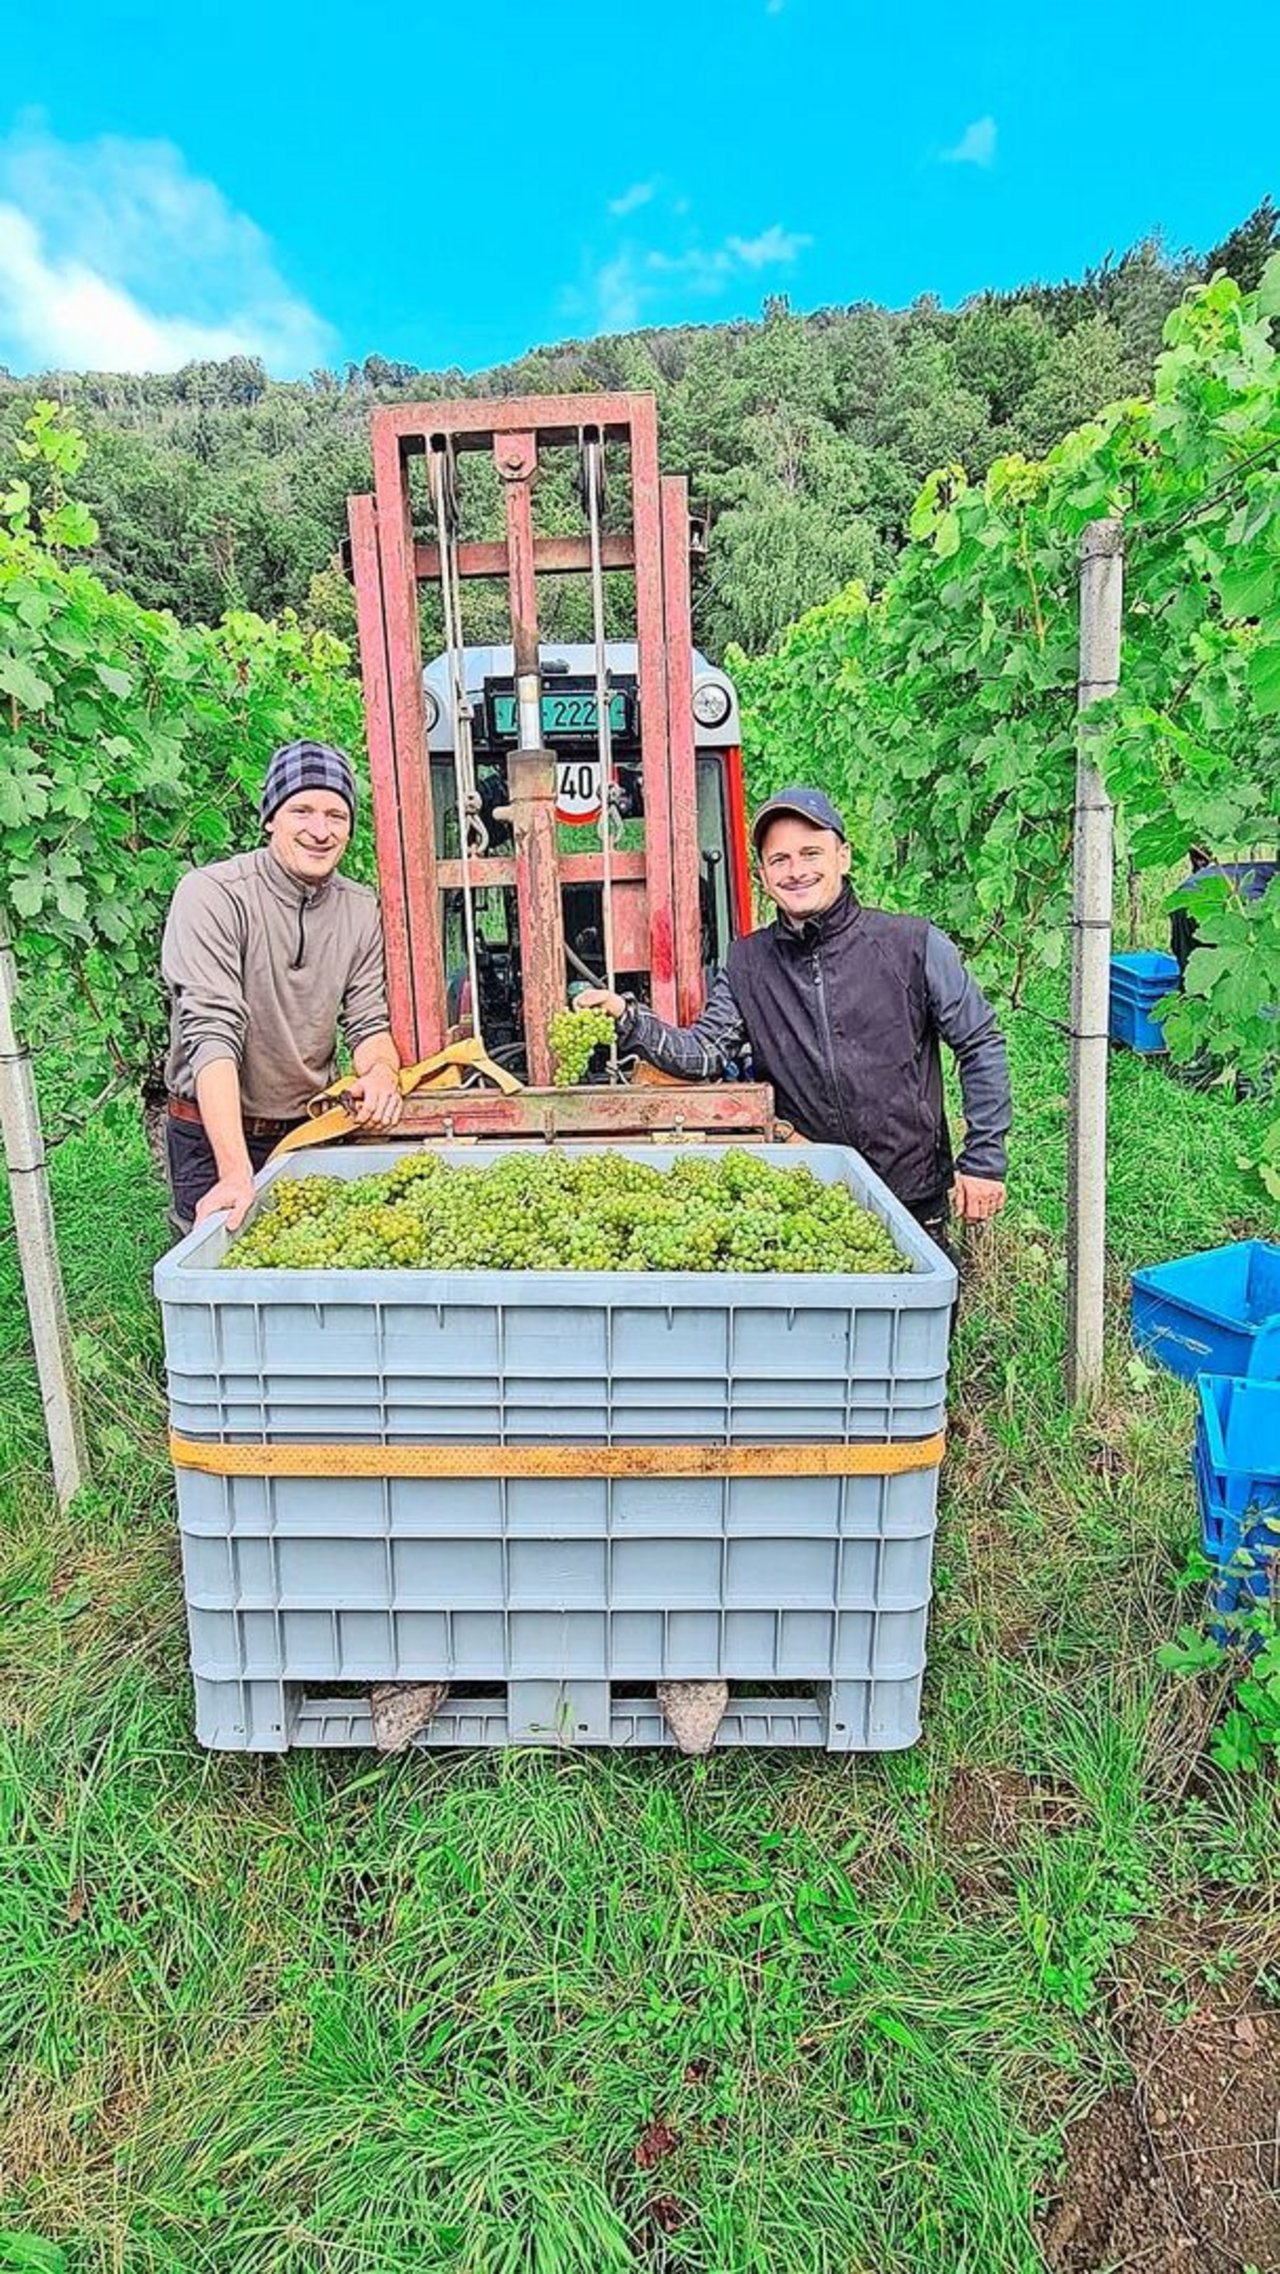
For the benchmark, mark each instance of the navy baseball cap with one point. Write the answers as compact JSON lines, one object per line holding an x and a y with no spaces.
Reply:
{"x":805,"y":804}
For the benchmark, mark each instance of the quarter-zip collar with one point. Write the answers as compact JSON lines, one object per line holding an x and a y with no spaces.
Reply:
{"x":287,"y":887}
{"x":294,"y":894}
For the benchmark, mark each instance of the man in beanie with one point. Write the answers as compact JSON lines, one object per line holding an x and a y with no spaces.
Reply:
{"x":842,"y":1008}
{"x":267,"y":957}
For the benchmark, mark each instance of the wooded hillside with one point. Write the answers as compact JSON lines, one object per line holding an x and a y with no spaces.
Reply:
{"x":806,"y":436}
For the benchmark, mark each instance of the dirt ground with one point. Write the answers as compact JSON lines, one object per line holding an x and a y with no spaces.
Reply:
{"x":1180,"y":2174}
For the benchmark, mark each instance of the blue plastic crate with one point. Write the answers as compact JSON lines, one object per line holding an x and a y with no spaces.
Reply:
{"x":1237,"y":1471}
{"x":1226,"y":1532}
{"x":1232,"y":1594}
{"x":1214,"y":1313}
{"x":1138,"y":982}
{"x":1145,"y":974}
{"x":1238,"y":1446}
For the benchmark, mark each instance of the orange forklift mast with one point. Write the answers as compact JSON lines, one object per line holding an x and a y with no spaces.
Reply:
{"x":651,"y":896}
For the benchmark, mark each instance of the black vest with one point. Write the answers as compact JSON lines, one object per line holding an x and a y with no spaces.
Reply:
{"x":837,"y":1013}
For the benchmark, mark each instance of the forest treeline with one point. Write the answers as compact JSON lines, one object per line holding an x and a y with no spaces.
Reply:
{"x":806,"y":437}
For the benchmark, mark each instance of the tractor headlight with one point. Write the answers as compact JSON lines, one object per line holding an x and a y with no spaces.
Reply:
{"x":431,"y":708}
{"x":711,"y":703}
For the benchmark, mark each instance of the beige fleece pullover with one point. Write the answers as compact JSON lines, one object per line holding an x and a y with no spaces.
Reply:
{"x":264,"y":970}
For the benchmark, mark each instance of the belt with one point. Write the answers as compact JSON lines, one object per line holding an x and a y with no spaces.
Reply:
{"x":254,"y":1124}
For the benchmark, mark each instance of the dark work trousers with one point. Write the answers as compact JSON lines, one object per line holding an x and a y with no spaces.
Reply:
{"x":193,"y":1170}
{"x":934,"y":1217}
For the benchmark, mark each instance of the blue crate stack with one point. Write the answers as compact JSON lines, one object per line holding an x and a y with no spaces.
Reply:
{"x":1237,"y":1468}
{"x":1138,"y":982}
{"x":1214,"y":1319}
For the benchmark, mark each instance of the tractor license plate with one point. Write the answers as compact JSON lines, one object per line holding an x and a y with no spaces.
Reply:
{"x":563,"y":715}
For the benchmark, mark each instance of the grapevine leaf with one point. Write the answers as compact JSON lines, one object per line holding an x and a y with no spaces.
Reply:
{"x":21,"y":680}
{"x":71,"y":526}
{"x":1264,"y":679}
{"x":26,"y":890}
{"x":1250,"y":587}
{"x":30,"y":605}
{"x":23,"y":797}
{"x":15,"y":505}
{"x":71,"y":899}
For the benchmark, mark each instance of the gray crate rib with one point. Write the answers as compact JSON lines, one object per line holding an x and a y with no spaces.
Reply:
{"x":563,"y":1593}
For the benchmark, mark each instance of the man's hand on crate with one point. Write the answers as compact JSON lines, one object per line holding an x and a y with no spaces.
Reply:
{"x":234,"y":1193}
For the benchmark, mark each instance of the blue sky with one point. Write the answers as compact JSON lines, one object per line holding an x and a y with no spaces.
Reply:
{"x":454,"y":185}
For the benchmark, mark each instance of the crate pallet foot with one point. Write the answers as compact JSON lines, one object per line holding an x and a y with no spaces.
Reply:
{"x":693,"y":1712}
{"x":836,"y":1717}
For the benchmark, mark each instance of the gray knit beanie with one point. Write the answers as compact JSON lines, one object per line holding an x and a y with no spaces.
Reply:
{"x":307,"y":766}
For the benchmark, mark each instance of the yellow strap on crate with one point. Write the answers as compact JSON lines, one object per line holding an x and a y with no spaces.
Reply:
{"x":863,"y":1460}
{"x":444,"y":1071}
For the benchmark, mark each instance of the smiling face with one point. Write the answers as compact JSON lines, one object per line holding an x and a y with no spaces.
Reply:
{"x":802,"y":867}
{"x":309,"y":834}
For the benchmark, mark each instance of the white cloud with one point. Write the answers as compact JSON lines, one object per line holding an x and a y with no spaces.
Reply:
{"x":772,"y":245}
{"x":619,"y":294}
{"x":631,"y":200}
{"x":114,"y":257}
{"x":623,"y":291}
{"x":709,"y":268}
{"x":774,"y":7}
{"x":976,"y":147}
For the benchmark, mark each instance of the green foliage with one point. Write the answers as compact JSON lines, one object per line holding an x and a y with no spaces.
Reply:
{"x":807,"y":437}
{"x":943,"y":714}
{"x":1248,"y":1735}
{"x":1245,"y":252}
{"x":130,"y":747}
{"x":27,"y":2254}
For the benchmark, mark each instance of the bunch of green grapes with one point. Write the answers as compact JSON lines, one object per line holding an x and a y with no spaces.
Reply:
{"x":574,"y":1037}
{"x":556,"y":1209}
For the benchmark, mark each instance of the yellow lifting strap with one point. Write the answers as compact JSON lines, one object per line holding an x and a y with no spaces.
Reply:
{"x":862,"y":1460}
{"x":444,"y":1071}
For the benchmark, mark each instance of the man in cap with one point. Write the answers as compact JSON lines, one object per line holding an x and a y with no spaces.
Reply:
{"x":842,"y":1008}
{"x":266,"y":957}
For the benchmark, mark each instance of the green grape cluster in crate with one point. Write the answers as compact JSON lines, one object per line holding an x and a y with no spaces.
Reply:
{"x":558,"y":1210}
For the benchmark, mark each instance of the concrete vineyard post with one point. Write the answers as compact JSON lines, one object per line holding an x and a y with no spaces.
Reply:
{"x":37,"y":1246}
{"x":1101,"y":596}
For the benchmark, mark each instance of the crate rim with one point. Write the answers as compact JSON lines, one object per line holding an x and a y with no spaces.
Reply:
{"x":184,"y":1273}
{"x":1147,"y":1277}
{"x":1211,"y":1389}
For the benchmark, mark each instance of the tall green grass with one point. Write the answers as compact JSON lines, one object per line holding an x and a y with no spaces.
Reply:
{"x":539,"y":2014}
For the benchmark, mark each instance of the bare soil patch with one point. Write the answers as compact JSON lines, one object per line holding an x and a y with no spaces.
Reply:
{"x":992,"y":1808}
{"x":1180,"y":2173}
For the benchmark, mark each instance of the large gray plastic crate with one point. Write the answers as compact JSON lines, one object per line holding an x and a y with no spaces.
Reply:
{"x":560,"y":1597}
